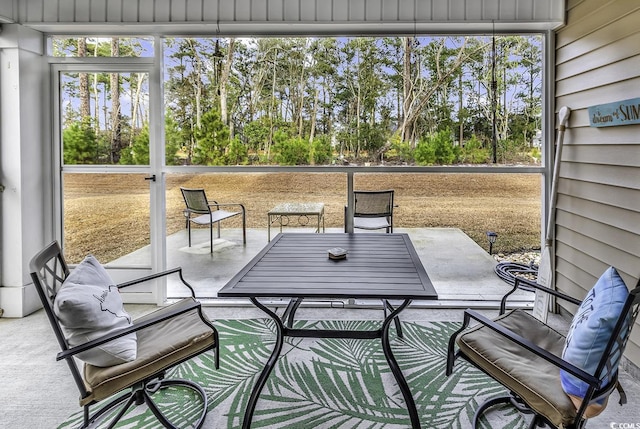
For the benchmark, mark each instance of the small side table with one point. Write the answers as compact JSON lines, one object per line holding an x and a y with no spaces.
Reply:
{"x":303,"y":211}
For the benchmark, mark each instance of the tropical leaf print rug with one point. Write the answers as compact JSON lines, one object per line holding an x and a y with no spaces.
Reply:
{"x":329,"y":383}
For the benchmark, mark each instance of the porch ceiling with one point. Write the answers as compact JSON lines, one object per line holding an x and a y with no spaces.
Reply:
{"x":284,"y":17}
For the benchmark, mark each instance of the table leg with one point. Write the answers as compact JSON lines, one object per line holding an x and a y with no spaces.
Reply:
{"x":264,"y":375}
{"x":388,"y":307}
{"x":290,"y":312}
{"x":268,"y":227}
{"x":395,"y":368}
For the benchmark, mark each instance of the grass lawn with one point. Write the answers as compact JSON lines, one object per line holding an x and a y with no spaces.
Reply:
{"x":108,"y":215}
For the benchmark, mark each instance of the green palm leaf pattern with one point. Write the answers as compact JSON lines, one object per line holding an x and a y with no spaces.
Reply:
{"x":331,"y":383}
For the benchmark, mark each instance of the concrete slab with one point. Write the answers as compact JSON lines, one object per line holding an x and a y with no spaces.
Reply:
{"x":460,"y":270}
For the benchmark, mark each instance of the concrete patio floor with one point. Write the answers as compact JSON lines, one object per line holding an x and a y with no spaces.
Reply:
{"x":460,"y":270}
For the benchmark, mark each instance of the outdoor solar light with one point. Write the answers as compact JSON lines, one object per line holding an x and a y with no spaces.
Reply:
{"x":491,"y":237}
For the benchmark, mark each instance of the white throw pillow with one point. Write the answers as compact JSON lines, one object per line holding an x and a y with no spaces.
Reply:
{"x":89,"y":306}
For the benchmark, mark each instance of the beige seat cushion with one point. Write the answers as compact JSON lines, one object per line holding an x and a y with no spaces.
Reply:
{"x":159,"y":347}
{"x":371,"y":222}
{"x":529,"y":376}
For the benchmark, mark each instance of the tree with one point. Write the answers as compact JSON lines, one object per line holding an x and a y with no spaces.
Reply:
{"x":79,"y":144}
{"x":212,"y":139}
{"x":436,"y":149}
{"x":291,"y":151}
{"x":237,"y":153}
{"x":323,"y":72}
{"x":360,"y":90}
{"x":138,"y":152}
{"x":85,"y":106}
{"x":439,"y":60}
{"x":224,"y":82}
{"x":173,"y":142}
{"x":116,"y":126}
{"x":361,"y":93}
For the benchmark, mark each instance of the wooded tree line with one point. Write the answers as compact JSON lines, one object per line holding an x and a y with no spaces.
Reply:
{"x":424,"y":100}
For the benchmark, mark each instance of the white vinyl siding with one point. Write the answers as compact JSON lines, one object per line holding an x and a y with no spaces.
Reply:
{"x":598,"y":216}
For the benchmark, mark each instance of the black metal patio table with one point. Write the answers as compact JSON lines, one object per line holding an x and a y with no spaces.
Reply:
{"x":297,"y":266}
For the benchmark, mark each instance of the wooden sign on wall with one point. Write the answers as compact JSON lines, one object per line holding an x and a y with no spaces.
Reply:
{"x":626,"y":112}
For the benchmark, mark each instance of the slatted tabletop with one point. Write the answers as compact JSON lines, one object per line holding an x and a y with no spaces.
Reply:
{"x":297,"y":265}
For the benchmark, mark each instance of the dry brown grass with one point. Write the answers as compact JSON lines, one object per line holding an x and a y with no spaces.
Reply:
{"x":108,"y":215}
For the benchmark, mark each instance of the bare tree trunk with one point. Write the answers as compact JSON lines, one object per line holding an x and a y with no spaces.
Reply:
{"x":461,"y":95}
{"x":135,"y":105}
{"x":421,"y":94}
{"x":224,"y":80}
{"x":358,"y":121}
{"x":314,"y":113}
{"x":85,"y":104}
{"x":300,"y":107}
{"x":313,"y":121}
{"x":198,"y":89}
{"x":116,"y":124}
{"x":407,"y":94}
{"x":96,"y":97}
{"x":272,"y":107}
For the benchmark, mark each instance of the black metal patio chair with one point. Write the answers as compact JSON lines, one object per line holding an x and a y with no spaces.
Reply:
{"x":541,"y":368}
{"x":373,"y":210}
{"x":160,"y":340}
{"x":208,"y":213}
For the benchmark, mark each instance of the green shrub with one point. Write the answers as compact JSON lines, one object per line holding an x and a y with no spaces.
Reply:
{"x":138,"y":152}
{"x":513,"y":151}
{"x":400,"y":150}
{"x":321,"y":150}
{"x":238,"y":153}
{"x":436,"y":149}
{"x":293,"y":151}
{"x":212,"y":139}
{"x":535,"y":154}
{"x":257,"y":133}
{"x":473,"y":152}
{"x":80,"y":144}
{"x":424,"y":153}
{"x":173,"y":142}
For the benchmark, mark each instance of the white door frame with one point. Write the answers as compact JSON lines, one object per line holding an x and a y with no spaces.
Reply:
{"x":154,"y":293}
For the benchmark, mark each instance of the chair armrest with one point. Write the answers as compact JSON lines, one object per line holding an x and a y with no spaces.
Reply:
{"x":214,"y":204}
{"x":157,"y":275}
{"x":169,"y":313}
{"x":529,"y":284}
{"x":523,"y":342}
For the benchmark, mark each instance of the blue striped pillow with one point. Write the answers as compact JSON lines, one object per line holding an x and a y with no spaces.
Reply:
{"x":589,"y":334}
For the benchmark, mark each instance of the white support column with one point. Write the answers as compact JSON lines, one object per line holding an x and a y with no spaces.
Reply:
{"x":25,"y":153}
{"x":157,"y":157}
{"x":348,"y":221}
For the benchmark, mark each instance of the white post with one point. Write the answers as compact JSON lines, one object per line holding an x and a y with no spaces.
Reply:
{"x":25,"y":204}
{"x":348,"y":222}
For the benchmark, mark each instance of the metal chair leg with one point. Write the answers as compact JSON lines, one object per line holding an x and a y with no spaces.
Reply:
{"x":510,"y":400}
{"x":506,"y":399}
{"x":143,"y":394}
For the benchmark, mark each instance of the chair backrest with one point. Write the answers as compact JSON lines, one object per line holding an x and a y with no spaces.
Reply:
{"x":196,"y":200}
{"x":373,"y":203}
{"x":48,"y":271}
